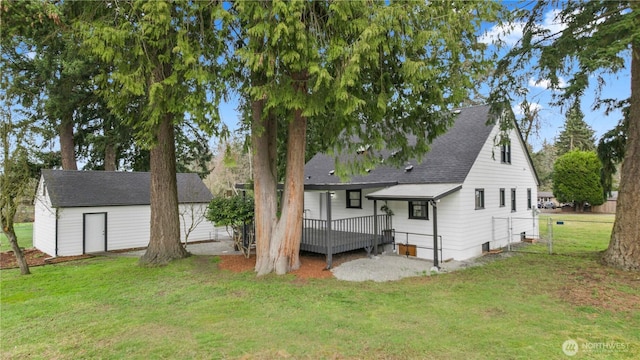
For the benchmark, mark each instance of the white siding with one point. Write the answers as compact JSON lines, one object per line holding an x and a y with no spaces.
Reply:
{"x":127,"y":227}
{"x":44,"y":225}
{"x":462,"y":228}
{"x":315,"y":208}
{"x":488,"y":173}
{"x":193,"y":214}
{"x":419,"y":232}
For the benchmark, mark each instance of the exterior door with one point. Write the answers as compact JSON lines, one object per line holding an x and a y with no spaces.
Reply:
{"x":95,"y":232}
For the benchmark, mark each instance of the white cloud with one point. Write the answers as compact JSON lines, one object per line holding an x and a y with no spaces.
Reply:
{"x":506,"y":34}
{"x":519,"y":109}
{"x":510,"y":34}
{"x":546,"y":83}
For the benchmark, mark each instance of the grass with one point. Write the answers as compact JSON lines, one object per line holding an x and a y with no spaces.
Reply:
{"x":577,"y":233}
{"x":24,"y":232}
{"x":522,"y":307}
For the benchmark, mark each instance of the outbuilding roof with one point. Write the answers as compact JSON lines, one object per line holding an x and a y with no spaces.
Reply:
{"x":448,"y":161}
{"x":71,"y":188}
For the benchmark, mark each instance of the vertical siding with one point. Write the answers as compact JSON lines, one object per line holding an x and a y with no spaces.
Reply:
{"x":44,"y":225}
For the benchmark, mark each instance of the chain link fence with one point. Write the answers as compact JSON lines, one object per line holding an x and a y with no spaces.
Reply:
{"x":567,"y":234}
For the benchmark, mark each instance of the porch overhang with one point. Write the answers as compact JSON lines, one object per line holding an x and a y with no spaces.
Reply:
{"x":414,"y":192}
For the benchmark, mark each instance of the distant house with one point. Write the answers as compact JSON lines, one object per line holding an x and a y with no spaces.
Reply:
{"x":609,"y":206}
{"x":547,"y":197}
{"x":80,"y":212}
{"x":468,"y":193}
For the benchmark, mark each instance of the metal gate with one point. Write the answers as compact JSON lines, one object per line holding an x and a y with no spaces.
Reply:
{"x":517,"y":233}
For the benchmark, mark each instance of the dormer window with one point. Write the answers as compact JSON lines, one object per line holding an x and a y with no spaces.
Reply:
{"x":408,"y":168}
{"x":332,"y":172}
{"x":505,"y":153}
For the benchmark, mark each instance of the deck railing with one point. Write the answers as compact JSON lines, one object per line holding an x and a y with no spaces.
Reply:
{"x":358,"y":231}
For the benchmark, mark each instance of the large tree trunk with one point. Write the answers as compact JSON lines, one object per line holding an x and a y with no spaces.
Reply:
{"x":285,"y":246}
{"x":13,"y":240}
{"x":280,"y":253}
{"x":164,"y":243}
{"x":624,"y":247}
{"x":110,"y":156}
{"x":67,"y":146}
{"x":263,"y":140}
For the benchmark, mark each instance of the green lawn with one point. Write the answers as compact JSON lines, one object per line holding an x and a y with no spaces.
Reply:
{"x":521,"y":307}
{"x":577,"y":233}
{"x":24,"y":232}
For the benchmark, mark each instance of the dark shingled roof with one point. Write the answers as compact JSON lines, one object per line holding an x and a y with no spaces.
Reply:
{"x":69,"y":188}
{"x":448,"y":161}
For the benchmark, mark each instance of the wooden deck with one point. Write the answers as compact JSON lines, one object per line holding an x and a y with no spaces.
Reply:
{"x":341,"y":241}
{"x":345,"y":234}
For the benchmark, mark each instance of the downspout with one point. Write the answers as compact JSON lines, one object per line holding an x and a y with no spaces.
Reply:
{"x":327,"y":232}
{"x":434,"y":205}
{"x":375,"y":227}
{"x":56,"y":233}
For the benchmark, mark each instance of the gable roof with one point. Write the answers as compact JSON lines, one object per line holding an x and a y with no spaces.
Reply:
{"x":448,"y":161}
{"x":71,"y":188}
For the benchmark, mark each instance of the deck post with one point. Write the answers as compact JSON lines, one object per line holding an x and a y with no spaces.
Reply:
{"x":375,"y":227}
{"x":245,"y":240}
{"x":327,"y":232}
{"x":434,"y":205}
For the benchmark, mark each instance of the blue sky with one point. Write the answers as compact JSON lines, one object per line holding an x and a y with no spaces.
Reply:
{"x":617,"y":86}
{"x":552,"y":117}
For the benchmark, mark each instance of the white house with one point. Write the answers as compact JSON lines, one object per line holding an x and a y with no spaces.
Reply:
{"x":80,"y":212}
{"x":474,"y":194}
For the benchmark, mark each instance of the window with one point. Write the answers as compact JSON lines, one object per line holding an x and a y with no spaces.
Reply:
{"x":505,"y":153}
{"x":513,"y":199}
{"x":503,"y":198}
{"x":354,"y":199}
{"x":418,"y":210}
{"x":479,"y":199}
{"x":529,"y":199}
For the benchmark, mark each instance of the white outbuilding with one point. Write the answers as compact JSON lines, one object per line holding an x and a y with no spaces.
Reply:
{"x":82,"y":212}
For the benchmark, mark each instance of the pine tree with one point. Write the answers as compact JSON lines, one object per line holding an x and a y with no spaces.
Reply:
{"x":576,"y":133}
{"x":597,"y":37}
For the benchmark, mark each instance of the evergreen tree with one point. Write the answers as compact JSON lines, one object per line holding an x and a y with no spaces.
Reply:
{"x":576,"y":178}
{"x":164,"y":72}
{"x":373,"y":70}
{"x":576,"y":133}
{"x":543,"y":161}
{"x":598,"y":37}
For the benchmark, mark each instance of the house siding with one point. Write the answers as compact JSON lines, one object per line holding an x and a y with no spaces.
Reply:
{"x":204,"y":230}
{"x":127,"y":227}
{"x":463,"y":228}
{"x":44,"y":225}
{"x":314,"y":205}
{"x":490,"y":174}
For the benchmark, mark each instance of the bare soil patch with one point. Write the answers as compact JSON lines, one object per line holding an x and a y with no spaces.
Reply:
{"x":602,"y":288}
{"x":34,"y":258}
{"x":312,"y":266}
